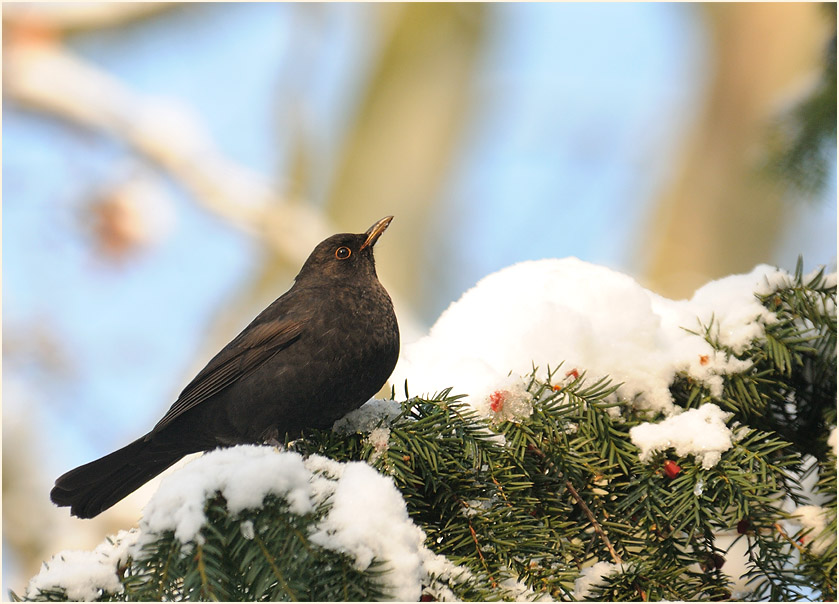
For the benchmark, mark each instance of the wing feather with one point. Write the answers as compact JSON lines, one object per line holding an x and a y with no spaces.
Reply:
{"x":249,"y":350}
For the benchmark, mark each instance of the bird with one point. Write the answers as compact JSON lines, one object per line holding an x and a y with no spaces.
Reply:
{"x":317,"y":352}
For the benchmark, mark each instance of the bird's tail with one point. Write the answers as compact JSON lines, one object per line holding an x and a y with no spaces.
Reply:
{"x":94,"y":487}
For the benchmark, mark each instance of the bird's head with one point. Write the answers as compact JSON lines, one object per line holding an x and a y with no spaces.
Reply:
{"x":343,"y":256}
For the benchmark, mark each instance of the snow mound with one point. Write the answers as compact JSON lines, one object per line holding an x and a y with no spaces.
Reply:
{"x":595,"y":320}
{"x":367,"y":519}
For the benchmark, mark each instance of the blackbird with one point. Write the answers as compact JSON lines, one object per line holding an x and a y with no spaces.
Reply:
{"x":317,"y":352}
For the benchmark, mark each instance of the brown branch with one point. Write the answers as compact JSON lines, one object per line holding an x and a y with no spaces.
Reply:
{"x":481,"y":554}
{"x":780,"y":529}
{"x":594,"y":522}
{"x":477,"y":545}
{"x":73,"y":17}
{"x":501,"y":490}
{"x":598,"y":529}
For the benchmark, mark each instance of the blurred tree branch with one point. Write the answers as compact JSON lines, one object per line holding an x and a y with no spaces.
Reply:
{"x":72,"y":17}
{"x":803,"y":139}
{"x":41,"y":73}
{"x":48,"y":77}
{"x":721,"y":215}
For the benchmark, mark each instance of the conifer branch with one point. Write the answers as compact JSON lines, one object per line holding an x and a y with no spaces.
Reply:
{"x":598,"y":529}
{"x":202,"y":572}
{"x":277,"y":572}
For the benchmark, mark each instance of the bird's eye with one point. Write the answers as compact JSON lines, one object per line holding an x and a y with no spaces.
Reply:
{"x":342,"y":253}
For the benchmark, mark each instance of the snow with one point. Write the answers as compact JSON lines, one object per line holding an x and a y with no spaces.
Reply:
{"x":378,"y":439}
{"x":244,"y":475}
{"x":811,"y":516}
{"x":833,"y":442}
{"x":247,"y":530}
{"x":731,"y":300}
{"x":84,"y":575}
{"x":592,"y":576}
{"x":373,"y":418}
{"x":738,"y":552}
{"x":516,"y":591}
{"x":593,"y":319}
{"x":368,"y":416}
{"x":700,"y":432}
{"x":367,"y":519}
{"x":815,"y":518}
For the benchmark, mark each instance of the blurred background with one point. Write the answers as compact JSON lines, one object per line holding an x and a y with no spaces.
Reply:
{"x":168,"y":167}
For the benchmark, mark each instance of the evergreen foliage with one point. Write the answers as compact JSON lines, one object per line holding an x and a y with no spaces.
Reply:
{"x":531,"y":501}
{"x":261,"y":555}
{"x":269,"y":561}
{"x":802,"y":142}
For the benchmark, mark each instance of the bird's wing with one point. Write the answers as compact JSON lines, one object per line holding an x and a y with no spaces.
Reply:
{"x":255,"y":345}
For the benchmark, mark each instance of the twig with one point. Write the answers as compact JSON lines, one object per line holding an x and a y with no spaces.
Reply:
{"x":72,"y":17}
{"x":594,"y":522}
{"x":584,"y":507}
{"x":478,"y":545}
{"x":481,"y":555}
{"x":780,"y":529}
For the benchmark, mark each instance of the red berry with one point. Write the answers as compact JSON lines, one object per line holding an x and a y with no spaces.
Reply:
{"x":743,"y":526}
{"x":496,"y":400}
{"x":703,"y":359}
{"x":672,"y":469}
{"x":574,"y":373}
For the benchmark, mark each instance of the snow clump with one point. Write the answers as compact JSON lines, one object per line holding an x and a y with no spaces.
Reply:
{"x":367,"y":417}
{"x":815,"y":518}
{"x":510,"y":401}
{"x":368,"y":519}
{"x":595,"y":320}
{"x":699,"y":432}
{"x":85,"y":575}
{"x":244,"y":475}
